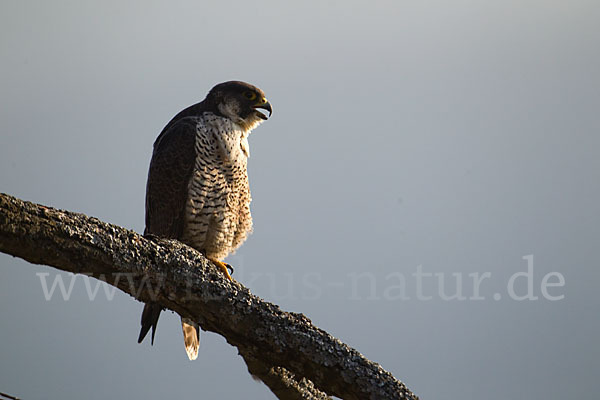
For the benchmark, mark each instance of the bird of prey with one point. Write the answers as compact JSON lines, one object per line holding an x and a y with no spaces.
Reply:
{"x":197,"y":190}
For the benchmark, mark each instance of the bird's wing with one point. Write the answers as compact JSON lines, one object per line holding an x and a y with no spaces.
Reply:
{"x":170,"y":171}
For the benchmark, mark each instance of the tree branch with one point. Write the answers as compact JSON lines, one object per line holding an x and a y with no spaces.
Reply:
{"x":285,"y":350}
{"x":8,"y":396}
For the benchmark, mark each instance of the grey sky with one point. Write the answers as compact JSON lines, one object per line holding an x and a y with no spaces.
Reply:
{"x":456,"y":136}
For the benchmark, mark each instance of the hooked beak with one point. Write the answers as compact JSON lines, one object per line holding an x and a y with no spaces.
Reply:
{"x":265,"y":106}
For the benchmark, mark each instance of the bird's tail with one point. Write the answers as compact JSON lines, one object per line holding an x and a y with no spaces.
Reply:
{"x":149,"y":320}
{"x":191,"y":337}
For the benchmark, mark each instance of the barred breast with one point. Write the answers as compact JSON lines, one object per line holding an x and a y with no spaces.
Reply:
{"x":218,"y":218}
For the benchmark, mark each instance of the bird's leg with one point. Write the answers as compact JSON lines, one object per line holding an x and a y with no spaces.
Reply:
{"x":224,"y":267}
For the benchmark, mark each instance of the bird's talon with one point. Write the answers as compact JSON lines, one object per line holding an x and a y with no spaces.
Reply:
{"x":223,"y":267}
{"x":151,"y":236}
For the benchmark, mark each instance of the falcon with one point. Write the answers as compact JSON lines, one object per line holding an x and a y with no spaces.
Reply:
{"x":197,"y":190}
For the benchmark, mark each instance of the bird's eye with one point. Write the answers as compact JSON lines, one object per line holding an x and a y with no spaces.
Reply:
{"x":250,"y":95}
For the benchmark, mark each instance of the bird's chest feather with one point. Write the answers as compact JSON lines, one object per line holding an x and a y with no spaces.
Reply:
{"x":230,"y":140}
{"x":218,"y":206}
{"x":221,"y":163}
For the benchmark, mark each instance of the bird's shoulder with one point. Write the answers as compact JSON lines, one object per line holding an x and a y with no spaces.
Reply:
{"x":176,"y":133}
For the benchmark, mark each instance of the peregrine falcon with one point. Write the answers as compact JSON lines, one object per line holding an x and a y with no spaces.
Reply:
{"x":197,"y":190}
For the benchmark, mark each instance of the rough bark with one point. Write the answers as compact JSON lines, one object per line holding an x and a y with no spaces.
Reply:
{"x":285,"y":350}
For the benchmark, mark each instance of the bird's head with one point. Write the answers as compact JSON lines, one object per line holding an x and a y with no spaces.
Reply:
{"x":240,"y":102}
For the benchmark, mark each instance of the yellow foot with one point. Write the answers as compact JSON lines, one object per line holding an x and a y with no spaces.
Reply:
{"x":224,"y":267}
